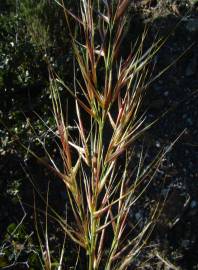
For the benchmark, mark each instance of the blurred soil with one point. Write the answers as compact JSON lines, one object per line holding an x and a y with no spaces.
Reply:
{"x":176,"y":235}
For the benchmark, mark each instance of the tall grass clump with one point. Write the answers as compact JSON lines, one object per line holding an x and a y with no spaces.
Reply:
{"x":102,"y":176}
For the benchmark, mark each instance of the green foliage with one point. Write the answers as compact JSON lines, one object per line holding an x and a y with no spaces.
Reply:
{"x":34,"y":14}
{"x":23,"y":88}
{"x":17,"y":248}
{"x":23,"y":75}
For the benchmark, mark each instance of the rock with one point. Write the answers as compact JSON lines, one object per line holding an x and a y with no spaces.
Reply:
{"x":185,"y":243}
{"x":138,"y":216}
{"x":157,"y":144}
{"x":191,"y":67}
{"x":193,"y":204}
{"x":189,"y":121}
{"x":192,"y":25}
{"x":166,"y":93}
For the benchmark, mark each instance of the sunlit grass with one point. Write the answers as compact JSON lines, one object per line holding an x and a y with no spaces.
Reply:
{"x":103,"y":183}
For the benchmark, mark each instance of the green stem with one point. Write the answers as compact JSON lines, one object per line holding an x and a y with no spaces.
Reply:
{"x":93,"y":219}
{"x":93,"y":243}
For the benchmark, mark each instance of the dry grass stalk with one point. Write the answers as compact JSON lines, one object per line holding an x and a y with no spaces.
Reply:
{"x":101,"y":192}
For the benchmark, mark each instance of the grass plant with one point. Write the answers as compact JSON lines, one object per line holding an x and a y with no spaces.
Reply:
{"x":102,"y":177}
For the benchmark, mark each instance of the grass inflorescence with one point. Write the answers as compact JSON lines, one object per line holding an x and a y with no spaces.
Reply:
{"x":103,"y":183}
